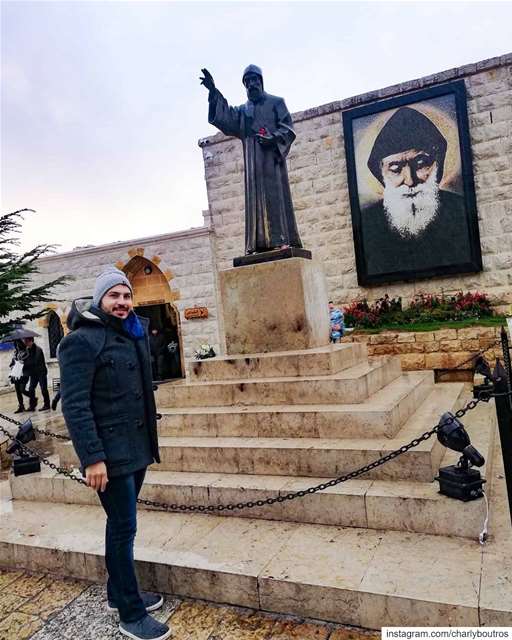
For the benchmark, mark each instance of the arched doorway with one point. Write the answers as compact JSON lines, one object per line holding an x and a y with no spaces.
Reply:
{"x":153,"y":299}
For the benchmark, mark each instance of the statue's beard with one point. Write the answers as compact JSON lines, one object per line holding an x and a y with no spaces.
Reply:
{"x":410,"y":214}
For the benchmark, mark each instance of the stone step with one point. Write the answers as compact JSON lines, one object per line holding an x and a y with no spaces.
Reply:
{"x":361,"y":577}
{"x":375,"y":504}
{"x":311,"y":362}
{"x":368,"y":504}
{"x":352,"y":385}
{"x":311,"y":457}
{"x":382,"y":414}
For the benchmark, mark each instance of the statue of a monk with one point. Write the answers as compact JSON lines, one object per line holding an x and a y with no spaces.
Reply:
{"x":265,"y":127}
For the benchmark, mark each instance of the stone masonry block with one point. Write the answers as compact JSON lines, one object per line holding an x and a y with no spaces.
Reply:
{"x":450,"y":345}
{"x":470,"y":344}
{"x":408,"y":347}
{"x":426,"y":336}
{"x":275,"y":306}
{"x":469,"y":333}
{"x":445,"y":334}
{"x":412,"y":361}
{"x":454,"y":360}
{"x":383,"y":338}
{"x":406,"y":337}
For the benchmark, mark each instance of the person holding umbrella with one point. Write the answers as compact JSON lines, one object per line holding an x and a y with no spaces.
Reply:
{"x":34,"y":368}
{"x":17,"y":373}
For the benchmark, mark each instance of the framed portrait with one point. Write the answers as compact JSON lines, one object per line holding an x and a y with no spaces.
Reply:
{"x":412,"y":194}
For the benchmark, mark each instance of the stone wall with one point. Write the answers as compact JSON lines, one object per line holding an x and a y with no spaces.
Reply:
{"x":318,"y":178}
{"x":439,"y":350}
{"x":186,"y":258}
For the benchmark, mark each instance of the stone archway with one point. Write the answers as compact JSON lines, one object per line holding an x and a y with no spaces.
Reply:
{"x":154,"y":299}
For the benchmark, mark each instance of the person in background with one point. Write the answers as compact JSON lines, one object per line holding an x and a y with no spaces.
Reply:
{"x":157,"y":348}
{"x":35,"y":368}
{"x":173,"y":359}
{"x":19,"y":379}
{"x":337,"y":323}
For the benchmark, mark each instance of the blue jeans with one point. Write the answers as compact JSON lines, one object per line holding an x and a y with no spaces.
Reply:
{"x":119,"y":500}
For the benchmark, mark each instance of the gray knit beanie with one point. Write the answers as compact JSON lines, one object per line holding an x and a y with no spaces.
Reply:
{"x":107,"y":279}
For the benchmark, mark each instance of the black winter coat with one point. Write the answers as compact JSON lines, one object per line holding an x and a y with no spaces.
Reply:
{"x":35,"y":364}
{"x":107,"y":392}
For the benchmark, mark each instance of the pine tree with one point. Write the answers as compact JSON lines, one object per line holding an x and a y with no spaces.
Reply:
{"x":18,"y":299}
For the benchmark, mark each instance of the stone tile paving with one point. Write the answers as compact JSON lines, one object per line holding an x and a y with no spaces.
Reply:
{"x":41,"y":607}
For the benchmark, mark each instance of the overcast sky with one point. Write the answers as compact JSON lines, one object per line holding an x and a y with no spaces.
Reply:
{"x":102,"y":106}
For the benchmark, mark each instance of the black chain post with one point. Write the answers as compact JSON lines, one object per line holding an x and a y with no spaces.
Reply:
{"x":503,"y":399}
{"x":505,"y":346}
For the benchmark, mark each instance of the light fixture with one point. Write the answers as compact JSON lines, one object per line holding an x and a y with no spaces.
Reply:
{"x":23,"y":462}
{"x":148,"y":270}
{"x":459,"y":481}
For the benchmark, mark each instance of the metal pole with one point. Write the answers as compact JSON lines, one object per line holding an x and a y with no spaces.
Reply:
{"x":506,"y":361}
{"x":504,"y":413}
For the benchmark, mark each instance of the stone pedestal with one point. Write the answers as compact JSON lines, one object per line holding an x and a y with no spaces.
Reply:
{"x":275,"y":306}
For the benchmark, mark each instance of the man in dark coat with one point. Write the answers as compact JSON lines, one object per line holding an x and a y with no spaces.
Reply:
{"x":265,"y":127}
{"x":417,"y":226}
{"x":35,"y":368}
{"x":109,"y":408}
{"x":157,"y":349}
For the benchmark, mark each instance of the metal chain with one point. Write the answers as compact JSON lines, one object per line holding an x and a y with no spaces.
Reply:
{"x":62,"y":470}
{"x":43,"y":432}
{"x":275,"y":499}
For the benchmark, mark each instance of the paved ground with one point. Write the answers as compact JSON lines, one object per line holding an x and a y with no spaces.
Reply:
{"x":41,"y":607}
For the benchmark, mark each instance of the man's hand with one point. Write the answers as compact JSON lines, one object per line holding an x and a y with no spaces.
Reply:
{"x":207,"y":80}
{"x":96,"y":476}
{"x":266,"y":140}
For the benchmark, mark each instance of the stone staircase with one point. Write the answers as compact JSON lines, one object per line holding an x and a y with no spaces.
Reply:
{"x":382,"y":549}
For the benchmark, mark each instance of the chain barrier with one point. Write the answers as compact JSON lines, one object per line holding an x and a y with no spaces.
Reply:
{"x":484,"y":396}
{"x":43,"y":432}
{"x":69,"y":473}
{"x":274,"y":499}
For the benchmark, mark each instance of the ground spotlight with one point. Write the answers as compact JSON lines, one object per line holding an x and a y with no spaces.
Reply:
{"x":459,"y":481}
{"x":23,"y":462}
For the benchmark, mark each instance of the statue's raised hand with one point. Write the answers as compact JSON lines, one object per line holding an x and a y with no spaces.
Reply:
{"x":207,"y":80}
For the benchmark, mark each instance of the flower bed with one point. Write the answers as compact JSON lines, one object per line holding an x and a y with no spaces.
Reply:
{"x":423,"y":308}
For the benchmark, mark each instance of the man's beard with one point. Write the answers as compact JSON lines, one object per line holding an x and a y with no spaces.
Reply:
{"x":411,"y":216}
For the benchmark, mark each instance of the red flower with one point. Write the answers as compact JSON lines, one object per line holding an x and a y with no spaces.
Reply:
{"x":262,"y":131}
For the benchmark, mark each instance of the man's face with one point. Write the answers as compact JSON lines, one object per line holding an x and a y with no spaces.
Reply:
{"x":408,"y":168}
{"x":254,"y":86}
{"x":118,"y":301}
{"x":28,"y":342}
{"x":411,"y":191}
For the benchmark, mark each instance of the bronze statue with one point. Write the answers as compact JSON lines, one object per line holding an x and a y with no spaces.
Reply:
{"x":265,"y":127}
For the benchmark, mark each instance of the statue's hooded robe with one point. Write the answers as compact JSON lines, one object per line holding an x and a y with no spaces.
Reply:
{"x":269,"y":217}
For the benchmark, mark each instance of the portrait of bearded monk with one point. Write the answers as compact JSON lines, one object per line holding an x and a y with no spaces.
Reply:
{"x":265,"y":127}
{"x":417,"y":226}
